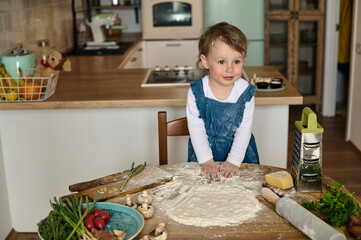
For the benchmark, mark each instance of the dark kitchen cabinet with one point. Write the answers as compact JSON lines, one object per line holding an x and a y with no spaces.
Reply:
{"x":82,"y":11}
{"x":294,"y":36}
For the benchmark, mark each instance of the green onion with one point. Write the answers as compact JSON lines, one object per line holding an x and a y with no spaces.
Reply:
{"x":133,"y":171}
{"x":70,"y":211}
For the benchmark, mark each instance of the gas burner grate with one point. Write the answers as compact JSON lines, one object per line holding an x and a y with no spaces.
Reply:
{"x":181,"y":76}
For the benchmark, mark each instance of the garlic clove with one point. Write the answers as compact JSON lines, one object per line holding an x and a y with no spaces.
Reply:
{"x":119,"y":234}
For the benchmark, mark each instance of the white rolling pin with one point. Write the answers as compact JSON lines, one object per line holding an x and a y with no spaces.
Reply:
{"x":301,"y":218}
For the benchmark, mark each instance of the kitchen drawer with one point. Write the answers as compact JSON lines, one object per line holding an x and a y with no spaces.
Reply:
{"x":171,"y":53}
{"x":136,"y":59}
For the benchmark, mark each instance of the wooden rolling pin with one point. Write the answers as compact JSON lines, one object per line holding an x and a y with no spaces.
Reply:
{"x":301,"y":218}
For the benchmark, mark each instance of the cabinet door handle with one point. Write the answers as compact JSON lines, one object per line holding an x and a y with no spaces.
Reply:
{"x":173,"y":44}
{"x":140,"y":49}
{"x":133,"y":59}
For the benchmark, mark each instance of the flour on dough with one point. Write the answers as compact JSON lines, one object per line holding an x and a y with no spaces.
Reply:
{"x":198,"y":203}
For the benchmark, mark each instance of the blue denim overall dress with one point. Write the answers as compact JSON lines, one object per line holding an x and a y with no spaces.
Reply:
{"x":221,"y":120}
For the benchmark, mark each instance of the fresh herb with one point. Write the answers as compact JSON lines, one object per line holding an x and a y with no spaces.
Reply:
{"x":336,"y":205}
{"x":66,"y":219}
{"x":133,"y":171}
{"x":54,"y":227}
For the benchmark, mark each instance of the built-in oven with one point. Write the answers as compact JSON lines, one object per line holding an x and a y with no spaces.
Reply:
{"x":172,"y":19}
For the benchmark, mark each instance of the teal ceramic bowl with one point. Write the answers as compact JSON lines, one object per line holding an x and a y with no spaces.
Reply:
{"x":122,"y":218}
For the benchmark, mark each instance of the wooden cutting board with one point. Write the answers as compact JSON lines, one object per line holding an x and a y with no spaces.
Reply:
{"x":150,"y":177}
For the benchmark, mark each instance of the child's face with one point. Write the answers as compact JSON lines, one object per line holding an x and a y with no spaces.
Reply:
{"x":225,"y":64}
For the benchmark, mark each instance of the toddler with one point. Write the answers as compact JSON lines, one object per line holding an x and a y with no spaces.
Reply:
{"x":220,"y":105}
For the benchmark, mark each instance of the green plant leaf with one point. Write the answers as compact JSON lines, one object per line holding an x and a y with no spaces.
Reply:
{"x":336,"y":205}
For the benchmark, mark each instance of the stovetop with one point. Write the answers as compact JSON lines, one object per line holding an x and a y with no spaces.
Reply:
{"x":178,"y":76}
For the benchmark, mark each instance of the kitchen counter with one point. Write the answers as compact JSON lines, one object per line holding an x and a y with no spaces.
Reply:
{"x":95,"y":82}
{"x":101,"y":119}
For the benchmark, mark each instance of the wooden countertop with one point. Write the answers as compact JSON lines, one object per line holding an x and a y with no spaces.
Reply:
{"x":96,"y":82}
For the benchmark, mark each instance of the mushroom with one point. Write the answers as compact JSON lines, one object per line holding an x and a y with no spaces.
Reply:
{"x":159,"y":233}
{"x":145,"y":237}
{"x":146,"y":210}
{"x":129,"y":203}
{"x":145,"y":198}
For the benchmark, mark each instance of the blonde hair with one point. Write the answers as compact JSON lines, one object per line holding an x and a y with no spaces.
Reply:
{"x":224,"y":32}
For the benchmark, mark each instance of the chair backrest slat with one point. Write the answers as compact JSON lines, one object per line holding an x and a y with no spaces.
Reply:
{"x":177,"y":127}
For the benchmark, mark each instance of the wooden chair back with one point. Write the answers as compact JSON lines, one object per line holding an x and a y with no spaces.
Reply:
{"x":177,"y":127}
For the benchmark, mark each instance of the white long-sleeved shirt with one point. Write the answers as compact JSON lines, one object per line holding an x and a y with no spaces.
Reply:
{"x":197,"y":129}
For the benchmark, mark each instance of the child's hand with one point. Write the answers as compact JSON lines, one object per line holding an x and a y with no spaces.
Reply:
{"x":210,"y":169}
{"x":229,"y":170}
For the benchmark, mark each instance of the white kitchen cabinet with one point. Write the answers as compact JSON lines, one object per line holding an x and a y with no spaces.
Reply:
{"x":136,"y":58}
{"x":171,"y":53}
{"x":149,"y":54}
{"x":5,"y":226}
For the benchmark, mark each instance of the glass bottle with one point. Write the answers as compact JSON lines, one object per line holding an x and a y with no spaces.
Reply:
{"x":43,"y":48}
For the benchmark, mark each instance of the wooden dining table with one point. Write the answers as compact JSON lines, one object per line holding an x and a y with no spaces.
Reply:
{"x":267,"y":224}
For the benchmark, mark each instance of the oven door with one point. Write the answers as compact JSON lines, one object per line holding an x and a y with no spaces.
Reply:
{"x":166,"y":19}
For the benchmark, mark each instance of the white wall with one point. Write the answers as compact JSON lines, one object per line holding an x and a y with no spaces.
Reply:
{"x":6,"y":222}
{"x":353,"y":133}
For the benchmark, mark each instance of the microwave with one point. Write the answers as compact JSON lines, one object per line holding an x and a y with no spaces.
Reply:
{"x":171,"y":19}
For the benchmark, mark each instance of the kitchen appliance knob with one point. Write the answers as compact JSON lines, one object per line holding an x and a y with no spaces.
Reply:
{"x":186,"y":69}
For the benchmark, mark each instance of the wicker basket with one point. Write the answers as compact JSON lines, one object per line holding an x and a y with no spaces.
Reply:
{"x":34,"y":89}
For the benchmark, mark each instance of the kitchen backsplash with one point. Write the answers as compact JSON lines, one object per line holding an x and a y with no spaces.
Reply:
{"x":26,"y":21}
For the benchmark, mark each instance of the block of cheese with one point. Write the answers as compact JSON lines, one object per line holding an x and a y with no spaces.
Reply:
{"x":280,"y":179}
